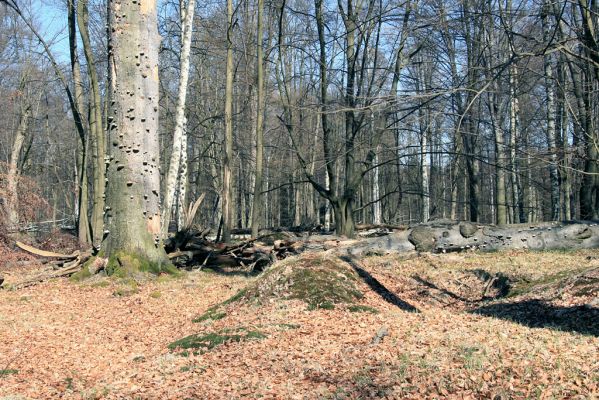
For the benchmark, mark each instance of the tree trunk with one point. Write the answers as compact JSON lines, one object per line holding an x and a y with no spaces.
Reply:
{"x":133,"y":195}
{"x":257,"y":201}
{"x":182,"y":183}
{"x":83,"y":227}
{"x":377,"y":211}
{"x":344,"y":218}
{"x":518,"y":210}
{"x":96,"y":127}
{"x":551,"y":131}
{"x":228,"y":144}
{"x":11,"y":206}
{"x":176,"y":167}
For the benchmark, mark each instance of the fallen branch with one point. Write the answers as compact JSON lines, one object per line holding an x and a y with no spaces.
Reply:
{"x":69,"y":268}
{"x":44,"y":253}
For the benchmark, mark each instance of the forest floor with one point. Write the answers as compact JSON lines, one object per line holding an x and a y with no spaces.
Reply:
{"x":503,"y":325}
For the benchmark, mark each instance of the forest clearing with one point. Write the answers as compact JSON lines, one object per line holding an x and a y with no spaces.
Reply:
{"x":411,"y":326}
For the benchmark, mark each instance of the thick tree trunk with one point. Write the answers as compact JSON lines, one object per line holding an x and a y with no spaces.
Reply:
{"x":345,"y":224}
{"x":133,"y":191}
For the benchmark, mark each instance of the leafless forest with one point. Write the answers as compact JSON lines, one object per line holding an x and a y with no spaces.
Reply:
{"x":416,"y":183}
{"x":342,"y":113}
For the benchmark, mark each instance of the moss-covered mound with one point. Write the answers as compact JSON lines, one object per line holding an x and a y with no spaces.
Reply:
{"x":319,"y":281}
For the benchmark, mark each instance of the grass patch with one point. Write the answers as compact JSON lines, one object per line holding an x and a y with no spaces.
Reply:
{"x":5,"y":372}
{"x":288,"y":326}
{"x":100,"y":284}
{"x":473,"y":357}
{"x":358,"y":308}
{"x":209,"y":341}
{"x":212,"y":314}
{"x":526,"y":285}
{"x":128,"y":287}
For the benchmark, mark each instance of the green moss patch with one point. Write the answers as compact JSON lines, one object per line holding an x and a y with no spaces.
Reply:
{"x":362,"y":309}
{"x":213,"y":314}
{"x":205,"y":342}
{"x":4,"y":372}
{"x":86,"y":270}
{"x":122,"y":264}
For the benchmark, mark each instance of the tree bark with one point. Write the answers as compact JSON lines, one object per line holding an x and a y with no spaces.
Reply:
{"x":257,"y":201}
{"x":175,"y":169}
{"x":133,"y":195}
{"x":11,"y":205}
{"x":228,"y":143}
{"x":551,"y":131}
{"x":96,"y":127}
{"x":83,"y":226}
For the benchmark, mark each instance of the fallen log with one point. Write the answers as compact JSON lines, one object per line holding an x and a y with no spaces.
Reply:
{"x":391,"y":227}
{"x":451,"y":236}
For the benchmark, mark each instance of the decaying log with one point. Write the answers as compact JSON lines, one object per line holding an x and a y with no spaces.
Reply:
{"x":391,"y":227}
{"x":450,"y":236}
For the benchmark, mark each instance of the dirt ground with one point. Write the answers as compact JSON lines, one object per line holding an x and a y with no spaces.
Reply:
{"x":466,"y":326}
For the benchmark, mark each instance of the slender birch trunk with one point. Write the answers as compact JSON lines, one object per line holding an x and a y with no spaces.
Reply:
{"x":377,"y":217}
{"x":177,"y":170}
{"x":518,"y":210}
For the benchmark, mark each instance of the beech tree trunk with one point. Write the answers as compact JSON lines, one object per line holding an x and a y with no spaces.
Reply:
{"x":133,"y":190}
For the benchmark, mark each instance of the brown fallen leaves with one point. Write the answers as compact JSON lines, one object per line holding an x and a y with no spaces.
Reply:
{"x":93,"y":340}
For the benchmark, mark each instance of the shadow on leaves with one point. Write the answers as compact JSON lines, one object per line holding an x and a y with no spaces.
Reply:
{"x":538,"y":314}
